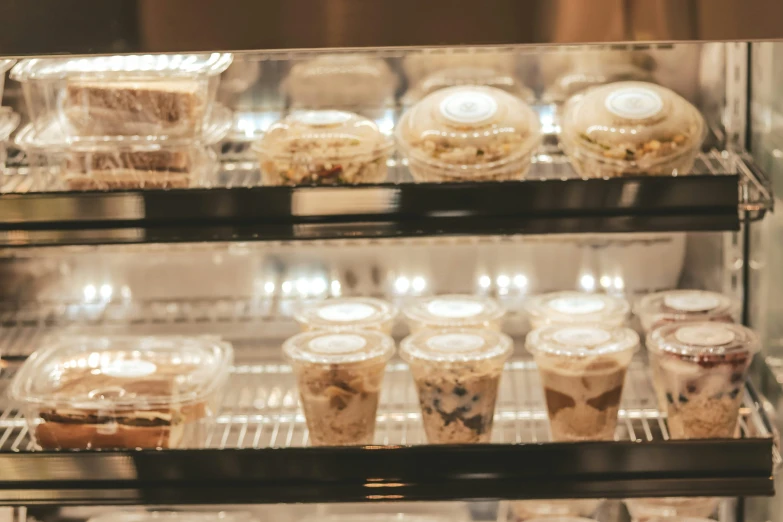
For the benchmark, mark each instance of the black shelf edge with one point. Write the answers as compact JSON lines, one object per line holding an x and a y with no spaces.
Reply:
{"x":631,"y":204}
{"x":351,"y":474}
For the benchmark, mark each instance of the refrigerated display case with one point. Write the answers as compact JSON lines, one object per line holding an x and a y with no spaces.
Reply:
{"x":665,"y":181}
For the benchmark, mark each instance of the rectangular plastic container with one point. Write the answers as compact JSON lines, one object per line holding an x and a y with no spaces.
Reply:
{"x":154,"y":96}
{"x":122,"y":164}
{"x":122,"y":392}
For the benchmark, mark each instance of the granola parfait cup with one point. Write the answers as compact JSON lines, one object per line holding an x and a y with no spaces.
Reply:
{"x":339,"y":376}
{"x":323,"y":147}
{"x":469,"y":133}
{"x":572,"y":307}
{"x":582,"y":370}
{"x":631,"y":129}
{"x":454,"y":311}
{"x":680,"y":306}
{"x":457,"y":374}
{"x":348,"y":313}
{"x":703,"y":367}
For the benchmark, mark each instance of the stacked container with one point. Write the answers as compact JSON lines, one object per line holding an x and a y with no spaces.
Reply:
{"x":124,"y":122}
{"x":8,"y":119}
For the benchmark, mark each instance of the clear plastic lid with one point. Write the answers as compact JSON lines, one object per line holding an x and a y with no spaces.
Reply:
{"x":337,"y":80}
{"x":456,"y":311}
{"x":174,"y":516}
{"x":582,"y":341}
{"x":582,"y":78}
{"x":346,"y":313}
{"x":577,"y":307}
{"x":633,"y":123}
{"x":324,"y":347}
{"x":471,"y":129}
{"x":326,"y":134}
{"x":704,"y":340}
{"x":419,"y":64}
{"x":464,"y":76}
{"x":686,"y":305}
{"x":122,"y":372}
{"x":456,"y":345}
{"x":52,"y":140}
{"x":122,"y":67}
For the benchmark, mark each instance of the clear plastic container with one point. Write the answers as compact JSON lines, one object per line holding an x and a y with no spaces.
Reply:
{"x":339,"y":375}
{"x":464,"y":76}
{"x":582,"y":370}
{"x":677,"y":306}
{"x":123,"y":164}
{"x":576,"y":308}
{"x":457,"y":375}
{"x":420,"y":64}
{"x":122,"y":392}
{"x":703,"y":367}
{"x":631,"y":128}
{"x":323,"y":148}
{"x":469,"y":134}
{"x":174,"y":516}
{"x":642,"y":509}
{"x":348,"y":313}
{"x":523,"y":510}
{"x":454,"y":311}
{"x":155,"y":96}
{"x":341,"y":81}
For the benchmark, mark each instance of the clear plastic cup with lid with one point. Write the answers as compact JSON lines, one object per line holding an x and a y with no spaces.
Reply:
{"x":468,"y":76}
{"x":323,"y":147}
{"x":123,"y":391}
{"x":348,"y":313}
{"x":341,"y":81}
{"x":454,"y":311}
{"x":631,"y":128}
{"x":667,"y":507}
{"x":582,"y":370}
{"x":339,"y":375}
{"x":571,"y":307}
{"x":457,"y":374}
{"x":677,"y":306}
{"x":470,"y":133}
{"x":703,"y":367}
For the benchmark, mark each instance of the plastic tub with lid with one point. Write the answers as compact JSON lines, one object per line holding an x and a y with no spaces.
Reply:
{"x":454,"y":311}
{"x":457,"y":374}
{"x":582,"y":369}
{"x":339,"y":375}
{"x":340,"y":81}
{"x":631,"y":128}
{"x":348,"y":313}
{"x":677,"y":306}
{"x":148,"y":96}
{"x":469,"y":133}
{"x":122,"y":392}
{"x":572,"y":307}
{"x":468,"y":76}
{"x":90,"y":164}
{"x":324,"y":147}
{"x":700,"y":369}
